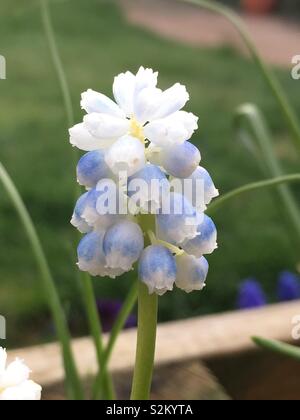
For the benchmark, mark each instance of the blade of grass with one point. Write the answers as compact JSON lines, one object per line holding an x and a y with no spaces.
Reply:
{"x":72,"y":379}
{"x":250,"y":118}
{"x":252,"y":187}
{"x":57,"y":62}
{"x":107,"y":389}
{"x":278,"y":347}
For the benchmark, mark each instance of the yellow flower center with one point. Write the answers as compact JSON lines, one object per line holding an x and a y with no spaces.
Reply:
{"x":137,"y":130}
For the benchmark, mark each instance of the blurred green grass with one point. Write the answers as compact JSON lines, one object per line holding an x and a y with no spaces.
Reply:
{"x":96,"y":43}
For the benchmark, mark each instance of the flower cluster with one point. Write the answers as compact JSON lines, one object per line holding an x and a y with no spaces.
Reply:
{"x":14,"y":381}
{"x":252,"y":295}
{"x":143,"y":179}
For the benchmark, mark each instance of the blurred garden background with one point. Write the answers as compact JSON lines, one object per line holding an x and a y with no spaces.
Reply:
{"x":96,"y":42}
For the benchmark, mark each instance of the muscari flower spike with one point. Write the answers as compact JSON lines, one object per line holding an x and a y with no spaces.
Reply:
{"x":251,"y":295}
{"x":288,"y":287}
{"x":14,"y":381}
{"x":143,"y":133}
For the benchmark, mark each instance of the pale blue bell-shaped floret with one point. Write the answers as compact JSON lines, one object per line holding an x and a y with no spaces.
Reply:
{"x":210,"y":191}
{"x":77,"y":219}
{"x":123,"y":244}
{"x":146,"y":189}
{"x":157,"y":269}
{"x":106,"y":190}
{"x":91,"y":257}
{"x":92,"y":168}
{"x":112,"y":200}
{"x":180,"y":160}
{"x":206,"y":240}
{"x":178,"y":220}
{"x":198,"y":188}
{"x":191,"y":273}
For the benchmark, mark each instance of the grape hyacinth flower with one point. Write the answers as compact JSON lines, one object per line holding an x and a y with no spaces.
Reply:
{"x":251,"y":295}
{"x":288,"y":288}
{"x":137,"y":209}
{"x":14,"y":381}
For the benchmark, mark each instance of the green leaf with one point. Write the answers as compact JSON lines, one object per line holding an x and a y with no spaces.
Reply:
{"x":278,"y":347}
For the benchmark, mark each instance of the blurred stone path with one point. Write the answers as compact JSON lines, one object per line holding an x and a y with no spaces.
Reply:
{"x":277,"y":38}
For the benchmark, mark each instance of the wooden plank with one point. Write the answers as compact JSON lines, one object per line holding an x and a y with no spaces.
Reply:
{"x":187,"y":381}
{"x":209,"y":337}
{"x":183,"y":381}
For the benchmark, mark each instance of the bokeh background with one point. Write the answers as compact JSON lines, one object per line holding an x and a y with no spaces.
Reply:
{"x":97,"y":40}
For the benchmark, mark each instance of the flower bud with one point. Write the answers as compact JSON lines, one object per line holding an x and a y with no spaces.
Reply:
{"x":157,"y":269}
{"x":123,"y":244}
{"x":206,"y":240}
{"x":191,"y":273}
{"x":92,"y":168}
{"x":180,"y":160}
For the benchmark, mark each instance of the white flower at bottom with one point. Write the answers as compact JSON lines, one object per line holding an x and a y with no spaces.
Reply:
{"x":14,"y":381}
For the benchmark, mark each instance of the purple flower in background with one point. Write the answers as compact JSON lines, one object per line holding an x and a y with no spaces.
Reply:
{"x":109,"y":310}
{"x":288,"y":286}
{"x":251,"y":295}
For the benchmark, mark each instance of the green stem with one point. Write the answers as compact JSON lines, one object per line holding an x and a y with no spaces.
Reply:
{"x":72,"y":378}
{"x":252,"y":187}
{"x":117,"y":328}
{"x":259,"y":129}
{"x":57,"y":62}
{"x":146,"y":339}
{"x":268,"y":75}
{"x":278,"y":347}
{"x":61,"y":75}
{"x":88,"y":292}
